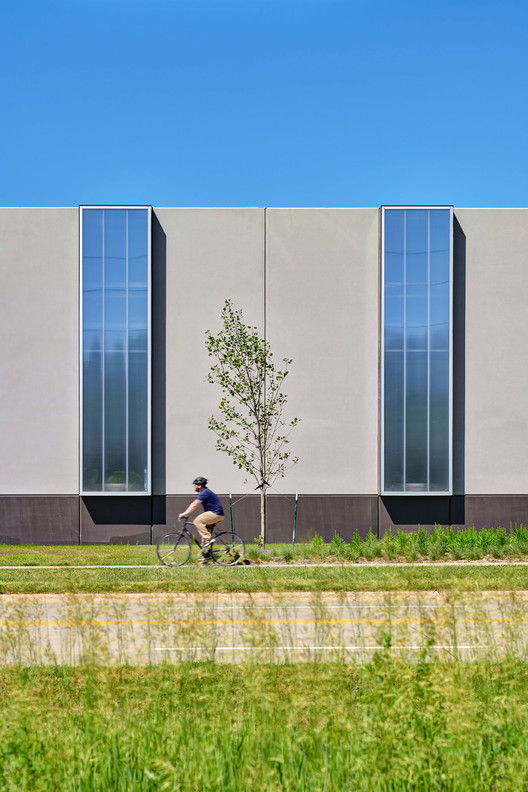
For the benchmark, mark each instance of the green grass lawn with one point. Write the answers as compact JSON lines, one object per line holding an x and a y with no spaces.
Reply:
{"x":385,"y":725}
{"x":254,"y":578}
{"x":442,"y":544}
{"x":310,"y":727}
{"x":77,"y":555}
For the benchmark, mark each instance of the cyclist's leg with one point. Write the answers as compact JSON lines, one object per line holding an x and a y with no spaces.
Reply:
{"x":204,"y":524}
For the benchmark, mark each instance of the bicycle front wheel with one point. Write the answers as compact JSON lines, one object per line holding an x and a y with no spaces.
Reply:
{"x":227,"y":548}
{"x":173,"y":549}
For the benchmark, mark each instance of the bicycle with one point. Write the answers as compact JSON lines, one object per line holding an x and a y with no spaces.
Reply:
{"x":225,"y":547}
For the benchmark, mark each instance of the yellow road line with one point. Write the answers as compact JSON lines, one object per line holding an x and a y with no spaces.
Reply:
{"x":216,"y":622}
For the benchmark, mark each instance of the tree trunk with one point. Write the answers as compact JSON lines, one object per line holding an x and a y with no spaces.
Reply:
{"x":263,"y":516}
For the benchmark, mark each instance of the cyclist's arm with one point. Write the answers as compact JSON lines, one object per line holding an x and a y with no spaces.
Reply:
{"x":190,"y":508}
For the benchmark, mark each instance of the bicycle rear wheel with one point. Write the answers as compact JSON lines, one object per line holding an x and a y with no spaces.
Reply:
{"x":227,"y":548}
{"x":173,"y":549}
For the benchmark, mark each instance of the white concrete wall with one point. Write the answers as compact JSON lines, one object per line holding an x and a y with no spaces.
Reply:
{"x":496,"y":437}
{"x":39,"y":358}
{"x":322,"y":310}
{"x":212,"y":254}
{"x":323,"y":313}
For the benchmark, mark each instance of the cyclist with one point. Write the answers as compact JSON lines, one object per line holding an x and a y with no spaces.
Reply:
{"x":212,"y":514}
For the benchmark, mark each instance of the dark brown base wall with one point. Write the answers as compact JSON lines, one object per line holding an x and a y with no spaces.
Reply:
{"x":316,"y":514}
{"x":39,"y":519}
{"x":69,"y":519}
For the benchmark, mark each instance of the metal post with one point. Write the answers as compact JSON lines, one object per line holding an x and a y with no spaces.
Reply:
{"x":231,"y":513}
{"x":294,"y":521}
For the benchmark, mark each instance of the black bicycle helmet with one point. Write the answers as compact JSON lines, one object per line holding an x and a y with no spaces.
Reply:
{"x":200,"y":480}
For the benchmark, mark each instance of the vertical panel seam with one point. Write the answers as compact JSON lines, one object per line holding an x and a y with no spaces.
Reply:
{"x":265,"y":273}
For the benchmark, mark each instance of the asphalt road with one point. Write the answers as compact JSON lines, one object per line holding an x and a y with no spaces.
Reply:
{"x":152,"y":628}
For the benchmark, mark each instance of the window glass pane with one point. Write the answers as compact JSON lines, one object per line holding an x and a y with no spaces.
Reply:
{"x":416,"y":306}
{"x":417,"y":338}
{"x":440,"y":245}
{"x":439,"y":422}
{"x":115,"y":318}
{"x":394,"y":231}
{"x":92,"y":419}
{"x":393,"y":338}
{"x":92,"y":237}
{"x":416,"y":232}
{"x":440,"y":336}
{"x":137,"y":420}
{"x":439,"y":303}
{"x":440,"y":267}
{"x":394,"y":246}
{"x":416,"y":422}
{"x":417,"y":268}
{"x":439,"y":220}
{"x":92,"y":341}
{"x":137,"y":319}
{"x":93,"y":309}
{"x":115,"y":248}
{"x":394,"y":268}
{"x":137,"y":249}
{"x":93,"y":271}
{"x":394,"y":305}
{"x":393,"y":419}
{"x":115,"y":338}
{"x":115,"y":422}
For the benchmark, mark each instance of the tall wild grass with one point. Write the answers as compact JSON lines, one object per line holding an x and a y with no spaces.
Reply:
{"x":384,"y":725}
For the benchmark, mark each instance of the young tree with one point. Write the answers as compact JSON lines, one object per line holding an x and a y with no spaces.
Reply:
{"x":250,"y":428}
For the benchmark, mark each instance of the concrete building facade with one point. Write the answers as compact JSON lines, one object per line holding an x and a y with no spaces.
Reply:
{"x":311,"y":280}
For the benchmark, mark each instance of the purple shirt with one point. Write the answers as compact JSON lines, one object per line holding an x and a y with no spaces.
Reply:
{"x":210,"y":501}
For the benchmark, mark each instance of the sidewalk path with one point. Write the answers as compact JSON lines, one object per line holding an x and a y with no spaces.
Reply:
{"x":275,"y":564}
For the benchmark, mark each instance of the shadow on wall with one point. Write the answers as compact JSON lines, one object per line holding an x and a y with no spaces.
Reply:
{"x":159,"y":375}
{"x":459,"y":357}
{"x":116,"y":519}
{"x":407,"y":513}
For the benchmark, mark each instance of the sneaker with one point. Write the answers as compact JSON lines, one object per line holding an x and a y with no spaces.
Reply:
{"x":208,"y":543}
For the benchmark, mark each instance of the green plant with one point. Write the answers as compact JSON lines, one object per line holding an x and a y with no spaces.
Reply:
{"x":135,"y":484}
{"x":317,"y":543}
{"x":401,"y":541}
{"x":116,"y":477}
{"x":421,"y":540}
{"x":355,"y":541}
{"x":371,"y":546}
{"x":316,"y":727}
{"x":389,"y":545}
{"x":251,"y":429}
{"x":436,"y":550}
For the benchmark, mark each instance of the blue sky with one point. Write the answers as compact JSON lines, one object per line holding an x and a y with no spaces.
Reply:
{"x":264,"y":102}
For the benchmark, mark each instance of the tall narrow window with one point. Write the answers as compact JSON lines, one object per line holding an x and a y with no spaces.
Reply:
{"x":417,"y":351}
{"x":115,"y":338}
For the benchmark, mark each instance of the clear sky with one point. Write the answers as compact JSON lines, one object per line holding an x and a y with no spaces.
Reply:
{"x":264,"y":102}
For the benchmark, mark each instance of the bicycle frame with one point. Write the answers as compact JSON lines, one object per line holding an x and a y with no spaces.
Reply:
{"x":184,"y":531}
{"x":225,"y":553}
